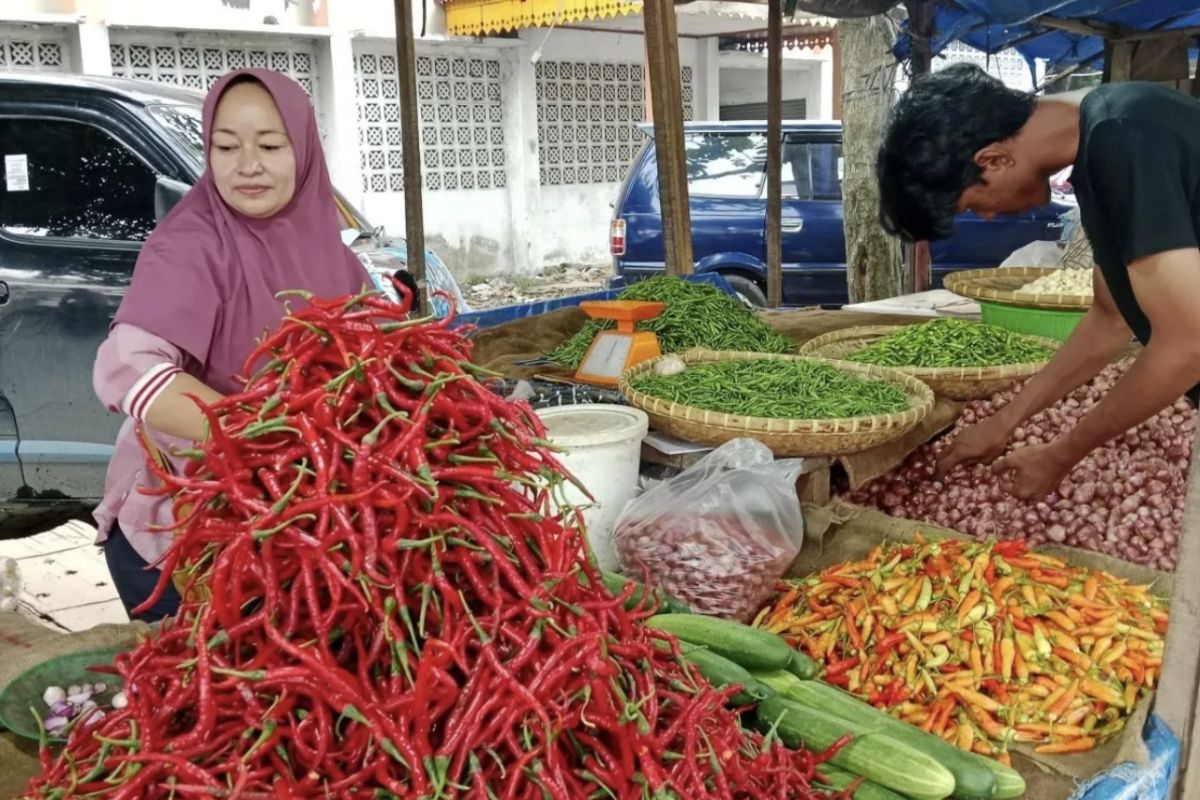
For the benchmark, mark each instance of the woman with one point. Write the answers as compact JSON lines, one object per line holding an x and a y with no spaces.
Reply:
{"x":261,"y":220}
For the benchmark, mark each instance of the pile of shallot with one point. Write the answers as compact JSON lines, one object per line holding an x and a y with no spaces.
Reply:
{"x":1124,"y":499}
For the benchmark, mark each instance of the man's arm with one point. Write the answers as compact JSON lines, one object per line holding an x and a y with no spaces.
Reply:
{"x":1093,"y":344}
{"x":1099,"y":336}
{"x":1167,"y":287}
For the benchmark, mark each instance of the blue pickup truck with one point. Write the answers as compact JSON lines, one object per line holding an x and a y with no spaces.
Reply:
{"x":726,"y":167}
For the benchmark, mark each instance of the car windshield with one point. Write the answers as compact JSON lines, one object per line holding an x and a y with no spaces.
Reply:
{"x":184,"y":123}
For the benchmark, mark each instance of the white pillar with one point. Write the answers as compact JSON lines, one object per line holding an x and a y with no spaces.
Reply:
{"x":339,"y":108}
{"x":521,"y":158}
{"x":89,"y":49}
{"x":708,"y":79}
{"x":825,"y":66}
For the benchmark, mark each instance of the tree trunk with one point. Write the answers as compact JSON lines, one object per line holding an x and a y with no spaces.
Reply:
{"x":873,"y":265}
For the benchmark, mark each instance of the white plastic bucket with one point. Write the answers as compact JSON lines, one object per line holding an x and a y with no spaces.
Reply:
{"x":603,"y":449}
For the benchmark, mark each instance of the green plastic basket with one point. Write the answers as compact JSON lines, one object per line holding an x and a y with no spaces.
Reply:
{"x":1034,"y":321}
{"x":25,"y":691}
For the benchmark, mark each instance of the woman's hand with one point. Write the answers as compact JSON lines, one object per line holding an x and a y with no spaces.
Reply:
{"x":174,"y":413}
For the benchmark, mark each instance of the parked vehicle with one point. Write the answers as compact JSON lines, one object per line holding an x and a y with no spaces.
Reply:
{"x":726,"y":167}
{"x":90,"y":166}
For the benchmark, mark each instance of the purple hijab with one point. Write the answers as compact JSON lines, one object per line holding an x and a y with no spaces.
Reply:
{"x":207,"y":278}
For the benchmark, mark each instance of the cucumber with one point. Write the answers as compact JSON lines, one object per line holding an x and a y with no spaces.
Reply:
{"x":721,"y":672}
{"x":801,"y":666}
{"x":617,"y":583}
{"x":839,"y":779}
{"x":876,"y":756}
{"x":973,"y":777}
{"x":749,"y":647}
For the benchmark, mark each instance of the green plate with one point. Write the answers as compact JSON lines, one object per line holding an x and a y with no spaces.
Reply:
{"x":26,"y":690}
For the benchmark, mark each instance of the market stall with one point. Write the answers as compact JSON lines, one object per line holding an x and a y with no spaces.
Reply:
{"x":855,"y":613}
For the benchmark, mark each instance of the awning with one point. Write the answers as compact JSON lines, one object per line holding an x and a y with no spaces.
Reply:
{"x":482,"y":17}
{"x":1063,"y":33}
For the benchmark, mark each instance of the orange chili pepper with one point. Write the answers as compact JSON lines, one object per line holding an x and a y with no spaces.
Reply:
{"x":1080,"y":745}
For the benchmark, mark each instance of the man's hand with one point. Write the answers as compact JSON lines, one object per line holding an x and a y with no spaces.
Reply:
{"x":983,"y":442}
{"x":1034,"y":471}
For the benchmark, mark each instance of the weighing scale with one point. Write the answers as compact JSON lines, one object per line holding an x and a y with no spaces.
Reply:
{"x":614,"y":351}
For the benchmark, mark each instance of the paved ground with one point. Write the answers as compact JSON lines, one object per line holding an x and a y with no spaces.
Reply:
{"x":64,"y":582}
{"x":505,"y":290}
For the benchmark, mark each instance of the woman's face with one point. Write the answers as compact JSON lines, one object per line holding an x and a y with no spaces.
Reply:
{"x":252,"y":160}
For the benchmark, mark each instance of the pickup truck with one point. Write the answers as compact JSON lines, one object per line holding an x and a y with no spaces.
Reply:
{"x":726,"y":170}
{"x":89,"y":166}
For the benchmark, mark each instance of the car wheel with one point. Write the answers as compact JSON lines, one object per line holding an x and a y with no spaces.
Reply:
{"x":747,"y":290}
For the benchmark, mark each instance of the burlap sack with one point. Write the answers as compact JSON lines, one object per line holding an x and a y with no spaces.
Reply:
{"x":840,"y":531}
{"x":24,"y":644}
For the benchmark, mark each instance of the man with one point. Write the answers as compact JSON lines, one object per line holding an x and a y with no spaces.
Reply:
{"x":959,"y":140}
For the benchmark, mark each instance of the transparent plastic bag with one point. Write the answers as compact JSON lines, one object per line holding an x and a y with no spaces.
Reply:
{"x":718,"y":535}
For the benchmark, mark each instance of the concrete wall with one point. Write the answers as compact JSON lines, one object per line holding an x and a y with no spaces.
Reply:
{"x":743,"y":79}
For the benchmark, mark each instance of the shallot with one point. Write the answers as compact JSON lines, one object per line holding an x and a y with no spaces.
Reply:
{"x":1123,"y":499}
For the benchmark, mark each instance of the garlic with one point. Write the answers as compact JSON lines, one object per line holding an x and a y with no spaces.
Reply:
{"x":669,"y":365}
{"x":1061,"y":281}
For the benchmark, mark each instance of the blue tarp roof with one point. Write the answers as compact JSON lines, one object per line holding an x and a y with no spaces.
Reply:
{"x":994,"y":25}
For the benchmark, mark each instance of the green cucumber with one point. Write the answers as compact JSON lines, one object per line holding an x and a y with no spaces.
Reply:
{"x":876,"y":756}
{"x":721,"y":672}
{"x":974,"y":777}
{"x":801,"y":666}
{"x":839,"y":779}
{"x":617,"y":583}
{"x":749,"y":647}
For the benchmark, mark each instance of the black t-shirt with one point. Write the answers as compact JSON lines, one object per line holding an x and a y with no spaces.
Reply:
{"x":1137,"y":181}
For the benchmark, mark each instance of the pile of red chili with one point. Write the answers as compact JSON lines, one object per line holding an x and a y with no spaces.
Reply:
{"x":383,"y":600}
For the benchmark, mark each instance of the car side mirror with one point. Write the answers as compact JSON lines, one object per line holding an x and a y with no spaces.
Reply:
{"x":167,"y":193}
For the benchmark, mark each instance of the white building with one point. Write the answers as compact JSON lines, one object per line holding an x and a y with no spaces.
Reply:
{"x":526,"y":133}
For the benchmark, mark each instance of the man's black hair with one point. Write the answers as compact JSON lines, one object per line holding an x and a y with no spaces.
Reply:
{"x":927,"y":158}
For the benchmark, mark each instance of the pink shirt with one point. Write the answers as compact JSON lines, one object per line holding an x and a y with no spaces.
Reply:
{"x":123,"y":362}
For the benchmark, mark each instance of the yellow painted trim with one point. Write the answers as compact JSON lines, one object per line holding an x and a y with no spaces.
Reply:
{"x":481,"y":17}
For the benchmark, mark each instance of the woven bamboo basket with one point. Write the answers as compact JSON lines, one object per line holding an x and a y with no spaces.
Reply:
{"x":1001,"y":285}
{"x":785,"y":437}
{"x":957,"y":383}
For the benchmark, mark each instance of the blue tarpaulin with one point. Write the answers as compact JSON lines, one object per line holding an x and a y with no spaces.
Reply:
{"x":994,"y":25}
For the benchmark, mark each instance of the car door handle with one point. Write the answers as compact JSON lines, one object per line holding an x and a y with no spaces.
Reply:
{"x":792,"y":226}
{"x":3,"y":293}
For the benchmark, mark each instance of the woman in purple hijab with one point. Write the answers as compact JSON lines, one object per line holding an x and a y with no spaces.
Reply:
{"x":260,"y":221}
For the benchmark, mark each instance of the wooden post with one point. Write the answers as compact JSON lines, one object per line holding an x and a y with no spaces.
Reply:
{"x":414,"y":217}
{"x":774,"y":153}
{"x":662,"y":62}
{"x":1176,"y":698}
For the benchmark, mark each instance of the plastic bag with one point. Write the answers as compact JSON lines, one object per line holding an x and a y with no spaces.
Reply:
{"x":1035,"y":254}
{"x":1149,"y":781}
{"x":718,"y":535}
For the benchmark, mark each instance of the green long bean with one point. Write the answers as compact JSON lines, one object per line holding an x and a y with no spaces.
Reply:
{"x":779,"y":389}
{"x":697,"y":315}
{"x":948,"y":342}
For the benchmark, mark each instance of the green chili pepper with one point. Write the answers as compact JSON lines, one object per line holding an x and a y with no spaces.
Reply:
{"x":775,"y":388}
{"x":697,"y":315}
{"x":948,"y":342}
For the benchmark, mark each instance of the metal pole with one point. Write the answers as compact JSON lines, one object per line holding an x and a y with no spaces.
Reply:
{"x":414,"y":217}
{"x":774,"y":153}
{"x":662,"y":63}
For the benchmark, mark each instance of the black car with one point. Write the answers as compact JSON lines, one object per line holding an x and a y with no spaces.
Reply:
{"x":90,"y":165}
